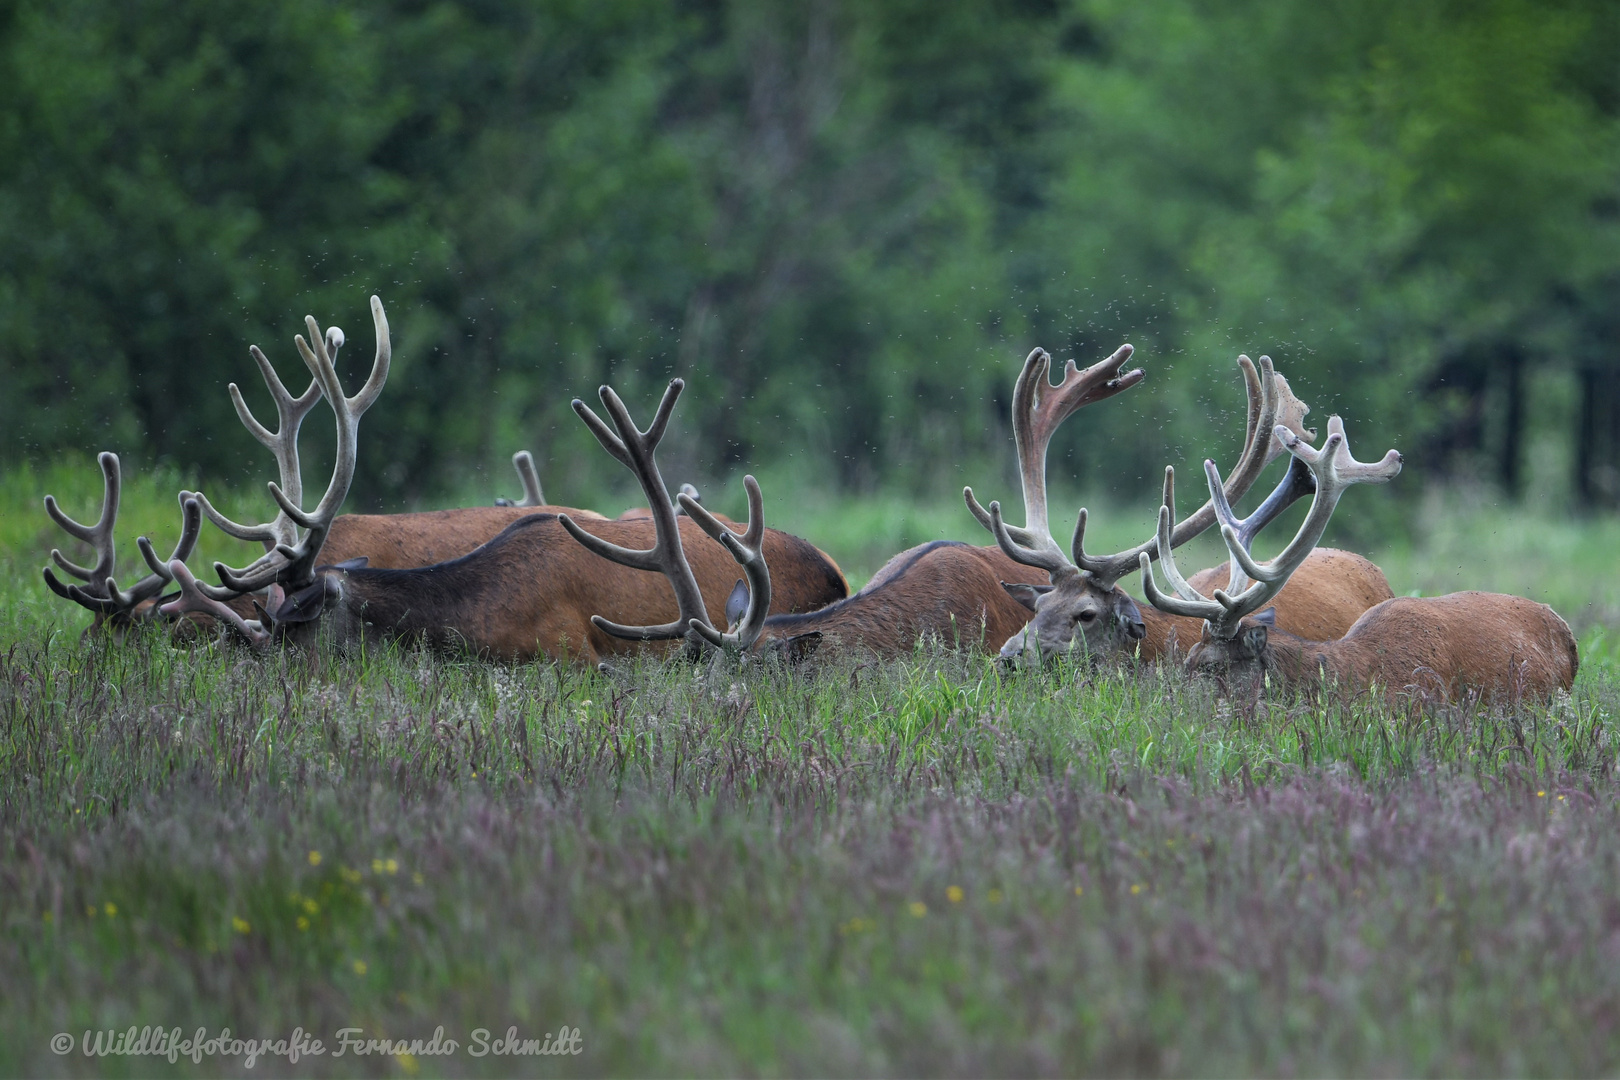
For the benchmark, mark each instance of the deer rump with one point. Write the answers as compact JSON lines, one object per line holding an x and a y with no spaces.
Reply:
{"x":532,"y":590}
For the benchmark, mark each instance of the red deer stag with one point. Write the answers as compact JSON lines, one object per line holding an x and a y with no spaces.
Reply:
{"x":1082,"y":607}
{"x":385,"y":541}
{"x":950,"y":591}
{"x":1445,"y":646}
{"x":528,"y":591}
{"x":121,"y":610}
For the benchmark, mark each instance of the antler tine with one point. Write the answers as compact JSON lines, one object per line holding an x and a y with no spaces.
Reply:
{"x":192,"y":598}
{"x":1274,"y":398}
{"x":190,"y":530}
{"x":99,"y":535}
{"x":1334,"y":470}
{"x":298,"y":561}
{"x":1186,"y":600}
{"x":747,"y":551}
{"x":1291,"y":414}
{"x":529,"y":477}
{"x":353,"y":408}
{"x":283,"y":443}
{"x":635,"y":449}
{"x":153,"y":583}
{"x":97,"y":594}
{"x":103,"y":595}
{"x":101,"y":605}
{"x":1297,"y":482}
{"x":1039,"y":408}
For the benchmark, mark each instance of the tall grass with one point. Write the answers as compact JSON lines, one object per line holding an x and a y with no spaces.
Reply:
{"x":924,"y":866}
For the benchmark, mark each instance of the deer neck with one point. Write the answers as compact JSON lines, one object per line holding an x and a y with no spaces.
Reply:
{"x":1300,"y":661}
{"x":1167,"y":634}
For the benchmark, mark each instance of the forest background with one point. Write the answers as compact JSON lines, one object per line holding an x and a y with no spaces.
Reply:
{"x":845,"y":224}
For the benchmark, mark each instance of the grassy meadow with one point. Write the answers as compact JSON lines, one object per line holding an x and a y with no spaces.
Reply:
{"x":923,"y":867}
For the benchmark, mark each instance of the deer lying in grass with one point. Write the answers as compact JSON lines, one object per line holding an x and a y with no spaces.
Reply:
{"x":950,"y":591}
{"x":529,"y":591}
{"x":1445,"y":647}
{"x":384,"y":541}
{"x":1081,"y":606}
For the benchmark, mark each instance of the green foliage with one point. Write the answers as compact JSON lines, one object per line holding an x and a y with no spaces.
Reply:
{"x":844,"y":223}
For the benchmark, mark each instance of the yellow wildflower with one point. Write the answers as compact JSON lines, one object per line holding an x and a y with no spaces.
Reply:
{"x":954,"y":894}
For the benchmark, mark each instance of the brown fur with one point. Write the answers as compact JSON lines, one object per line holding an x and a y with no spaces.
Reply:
{"x":1323,"y":599}
{"x":944,"y":589}
{"x":1442,"y":647}
{"x":533,"y":589}
{"x":396,"y":541}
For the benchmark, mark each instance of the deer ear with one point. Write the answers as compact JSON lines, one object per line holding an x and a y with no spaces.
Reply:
{"x":737,"y":603}
{"x":1268,"y":617}
{"x":307,"y":603}
{"x":1254,"y":639}
{"x":1025,"y":594}
{"x":1130,"y":617}
{"x":799,"y":648}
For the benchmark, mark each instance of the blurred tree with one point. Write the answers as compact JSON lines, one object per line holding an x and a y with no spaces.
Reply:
{"x":176,"y":181}
{"x":844,"y":223}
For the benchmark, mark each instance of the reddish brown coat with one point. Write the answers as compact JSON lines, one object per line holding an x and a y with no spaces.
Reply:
{"x":533,"y":589}
{"x":1434,"y":648}
{"x":1323,"y":599}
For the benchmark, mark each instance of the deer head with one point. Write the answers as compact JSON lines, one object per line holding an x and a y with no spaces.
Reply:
{"x":1237,"y":621}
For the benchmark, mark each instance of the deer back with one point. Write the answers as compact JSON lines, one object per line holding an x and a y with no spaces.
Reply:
{"x":1448,"y":646}
{"x":396,"y":541}
{"x":808,"y":577}
{"x":1321,"y":602}
{"x":944,"y":589}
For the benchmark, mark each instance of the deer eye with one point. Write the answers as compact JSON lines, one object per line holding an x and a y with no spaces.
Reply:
{"x":1088,"y":616}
